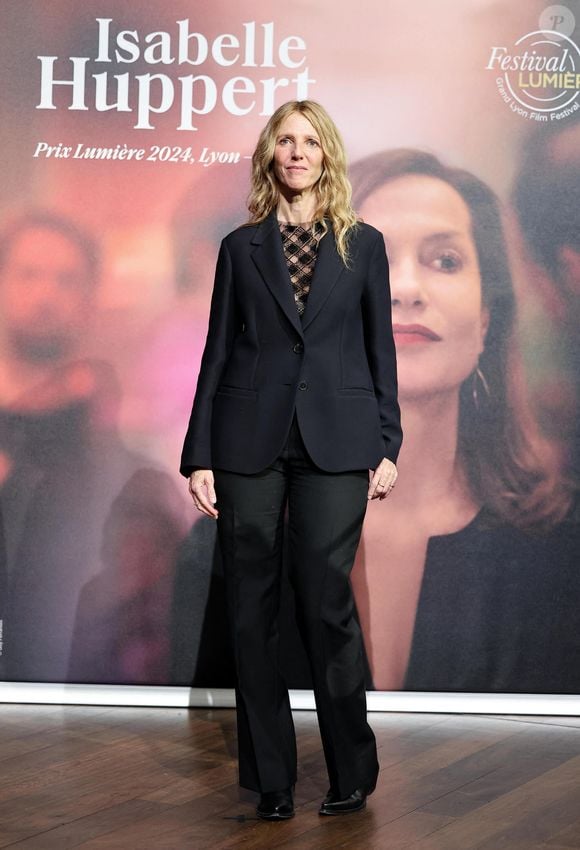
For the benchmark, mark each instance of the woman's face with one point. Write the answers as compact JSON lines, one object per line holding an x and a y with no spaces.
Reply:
{"x":298,"y":156}
{"x":439,"y":321}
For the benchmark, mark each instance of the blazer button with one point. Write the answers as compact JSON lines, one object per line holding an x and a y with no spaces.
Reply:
{"x":302,"y":385}
{"x":298,"y":348}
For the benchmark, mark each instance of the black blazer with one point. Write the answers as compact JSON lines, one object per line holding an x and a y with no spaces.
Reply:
{"x":336,"y":365}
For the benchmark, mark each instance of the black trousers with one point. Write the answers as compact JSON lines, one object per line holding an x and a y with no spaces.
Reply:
{"x":325,"y":517}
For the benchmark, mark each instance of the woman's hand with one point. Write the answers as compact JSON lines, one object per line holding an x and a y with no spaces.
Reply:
{"x":383,"y":479}
{"x":201,"y":487}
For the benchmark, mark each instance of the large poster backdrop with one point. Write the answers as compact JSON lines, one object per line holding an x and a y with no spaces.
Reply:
{"x":126,"y":134}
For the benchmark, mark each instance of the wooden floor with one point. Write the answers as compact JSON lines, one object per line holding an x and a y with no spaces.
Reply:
{"x":165,"y":779}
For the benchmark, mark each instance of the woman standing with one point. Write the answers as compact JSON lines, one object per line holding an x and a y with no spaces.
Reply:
{"x":296,"y":401}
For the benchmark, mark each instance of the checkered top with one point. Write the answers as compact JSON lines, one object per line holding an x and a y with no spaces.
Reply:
{"x":300,"y":249}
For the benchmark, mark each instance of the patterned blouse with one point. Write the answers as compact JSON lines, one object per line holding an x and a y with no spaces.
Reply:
{"x":300,"y":249}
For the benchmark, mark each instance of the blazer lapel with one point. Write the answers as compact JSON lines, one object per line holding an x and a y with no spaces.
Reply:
{"x":326,"y":273}
{"x":268,"y":256}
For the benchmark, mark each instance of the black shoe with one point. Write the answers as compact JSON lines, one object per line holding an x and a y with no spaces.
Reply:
{"x":276,"y":805}
{"x":333,"y":805}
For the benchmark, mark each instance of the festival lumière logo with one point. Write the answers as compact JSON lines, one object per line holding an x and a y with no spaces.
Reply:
{"x":539,"y":77}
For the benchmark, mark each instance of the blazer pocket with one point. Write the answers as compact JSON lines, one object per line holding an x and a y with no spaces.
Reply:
{"x":356,"y":391}
{"x":238,"y":392}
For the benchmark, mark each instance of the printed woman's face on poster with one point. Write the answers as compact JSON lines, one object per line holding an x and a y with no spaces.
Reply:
{"x":439,"y":319}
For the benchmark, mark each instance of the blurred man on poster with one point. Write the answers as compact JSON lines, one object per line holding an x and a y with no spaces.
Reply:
{"x":62,"y":460}
{"x":546,"y":197}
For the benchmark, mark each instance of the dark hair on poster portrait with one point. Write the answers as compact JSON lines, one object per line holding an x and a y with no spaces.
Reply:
{"x":480,"y":589}
{"x":546,"y":198}
{"x":495,"y":435}
{"x":546,"y":195}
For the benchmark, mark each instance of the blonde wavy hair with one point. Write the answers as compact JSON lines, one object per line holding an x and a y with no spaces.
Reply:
{"x":333,"y":189}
